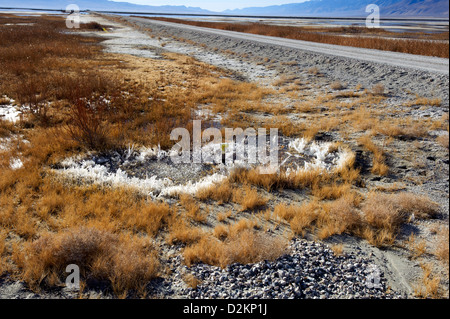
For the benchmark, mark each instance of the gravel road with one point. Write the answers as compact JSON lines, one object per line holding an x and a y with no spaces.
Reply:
{"x":260,"y":59}
{"x":425,"y":63}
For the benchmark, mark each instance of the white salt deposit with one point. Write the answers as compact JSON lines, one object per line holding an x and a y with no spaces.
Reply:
{"x":9,"y":112}
{"x":154,"y":186}
{"x":74,"y":168}
{"x":99,"y":174}
{"x":15,"y":163}
{"x":320,"y":152}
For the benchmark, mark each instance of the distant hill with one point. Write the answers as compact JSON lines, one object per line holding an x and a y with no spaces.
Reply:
{"x":353,"y":8}
{"x":99,"y":5}
{"x":317,"y":8}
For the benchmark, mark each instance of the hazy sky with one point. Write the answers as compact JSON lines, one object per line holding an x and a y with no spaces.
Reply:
{"x":214,"y":5}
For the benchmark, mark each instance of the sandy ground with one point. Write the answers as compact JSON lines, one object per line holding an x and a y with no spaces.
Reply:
{"x":401,"y":74}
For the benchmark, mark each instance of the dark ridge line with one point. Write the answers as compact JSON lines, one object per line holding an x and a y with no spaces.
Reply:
{"x":232,"y":16}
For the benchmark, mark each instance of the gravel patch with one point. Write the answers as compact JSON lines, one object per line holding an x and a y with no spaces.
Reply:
{"x":309,"y":271}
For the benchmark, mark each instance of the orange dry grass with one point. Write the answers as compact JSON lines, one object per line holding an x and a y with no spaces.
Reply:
{"x":379,"y":166}
{"x":180,"y":231}
{"x":389,"y":211}
{"x":282,"y":180}
{"x":429,"y":287}
{"x":101,"y":255}
{"x":377,"y":218}
{"x":46,"y":205}
{"x":249,"y":198}
{"x":192,"y":208}
{"x":304,"y":217}
{"x":442,"y":246}
{"x":338,"y":217}
{"x":443,"y":140}
{"x":246,"y":246}
{"x":416,"y":248}
{"x":221,"y":193}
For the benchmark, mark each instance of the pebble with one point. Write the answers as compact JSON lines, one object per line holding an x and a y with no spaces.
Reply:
{"x":337,"y":277}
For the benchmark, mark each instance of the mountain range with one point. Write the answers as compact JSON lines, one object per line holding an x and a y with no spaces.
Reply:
{"x":99,"y":5}
{"x":316,"y":8}
{"x":353,"y":8}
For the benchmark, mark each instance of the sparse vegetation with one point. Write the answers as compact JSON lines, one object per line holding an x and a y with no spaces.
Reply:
{"x":429,"y":286}
{"x":378,"y":89}
{"x":100,"y":255}
{"x":337,"y":85}
{"x":77,"y":99}
{"x":379,"y":166}
{"x":443,"y":140}
{"x":244,"y":246}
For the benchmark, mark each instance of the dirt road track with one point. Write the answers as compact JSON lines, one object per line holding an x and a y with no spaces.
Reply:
{"x":417,"y":62}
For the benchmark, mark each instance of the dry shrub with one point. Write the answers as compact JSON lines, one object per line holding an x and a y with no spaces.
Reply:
{"x":442,"y":246}
{"x":378,"y":237}
{"x":383,"y":215}
{"x":426,"y":101}
{"x":286,"y":212}
{"x":52,"y":202}
{"x":417,"y":249}
{"x":301,"y":179}
{"x":429,"y":285}
{"x":221,"y":193}
{"x":101,"y":256}
{"x":249,"y":198}
{"x":337,"y":85}
{"x":180,"y":231}
{"x":241,"y":225}
{"x":378,"y":89}
{"x":221,"y":232}
{"x":223,"y":216}
{"x":6,"y":128}
{"x":305,"y":217}
{"x":379,"y":166}
{"x":34,"y":60}
{"x":192,"y":281}
{"x":389,"y":211}
{"x":383,"y":212}
{"x":87,"y":125}
{"x":420,"y":205}
{"x":314,"y":70}
{"x":333,"y":191}
{"x":405,"y":127}
{"x":283,"y":80}
{"x":247,"y":246}
{"x":192,"y":208}
{"x":443,"y":140}
{"x":338,"y":249}
{"x":338,"y":217}
{"x":148,"y":218}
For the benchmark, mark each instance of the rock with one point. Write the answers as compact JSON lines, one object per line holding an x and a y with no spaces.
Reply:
{"x":283,"y":279}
